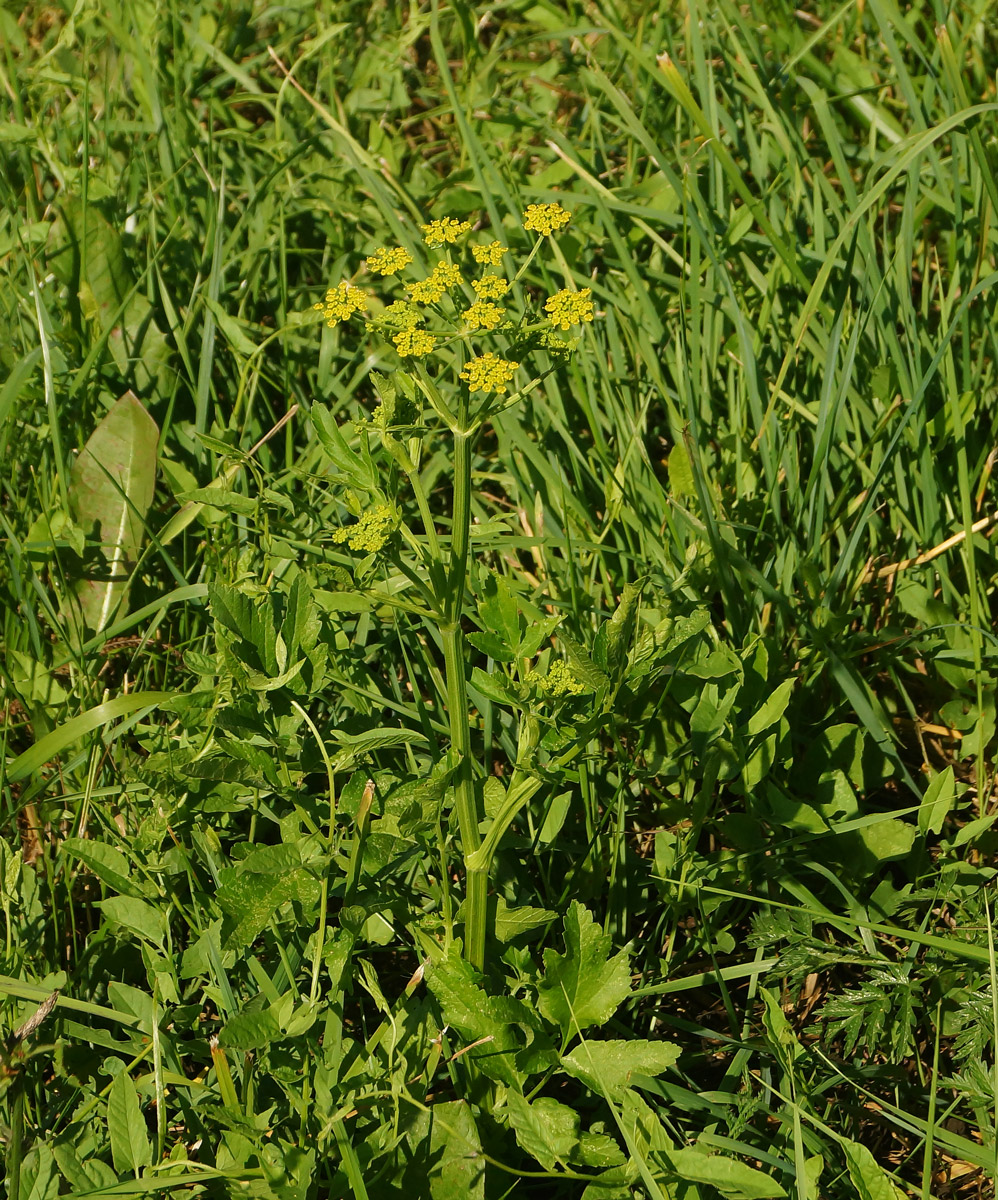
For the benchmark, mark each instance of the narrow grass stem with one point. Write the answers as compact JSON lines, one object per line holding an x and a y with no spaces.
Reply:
{"x":457,"y":701}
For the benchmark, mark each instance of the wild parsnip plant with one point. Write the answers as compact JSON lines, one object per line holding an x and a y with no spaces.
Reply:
{"x":475,"y":749}
{"x":442,"y":327}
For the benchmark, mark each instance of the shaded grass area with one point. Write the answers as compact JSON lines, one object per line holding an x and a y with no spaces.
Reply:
{"x":781,"y":794}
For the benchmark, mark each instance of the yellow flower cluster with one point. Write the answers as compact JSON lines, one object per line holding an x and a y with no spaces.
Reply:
{"x":490,"y":287}
{"x":431,"y":289}
{"x":388,"y":259}
{"x":490,"y":255}
{"x":482,"y":315}
{"x":414,"y":343}
{"x":371,"y":532}
{"x":569,"y":308}
{"x":488,"y":373}
{"x":341,"y":302}
{"x":402,"y":315}
{"x":559,"y":681}
{"x":445,"y":231}
{"x":545,"y":218}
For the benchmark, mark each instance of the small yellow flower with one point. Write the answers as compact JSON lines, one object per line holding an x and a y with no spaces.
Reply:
{"x":439,"y":233}
{"x":482,"y":315}
{"x":426,"y":291}
{"x":569,"y":308}
{"x":431,"y":289}
{"x":388,"y":259}
{"x":488,"y":373}
{"x":545,"y":218}
{"x":490,"y":287}
{"x":559,"y":681}
{"x":447,"y":273}
{"x":490,"y":255}
{"x":371,"y":532}
{"x":414,"y":343}
{"x":341,"y":302}
{"x":402,"y":315}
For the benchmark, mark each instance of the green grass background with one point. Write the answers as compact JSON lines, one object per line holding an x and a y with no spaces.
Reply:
{"x":787,"y":217}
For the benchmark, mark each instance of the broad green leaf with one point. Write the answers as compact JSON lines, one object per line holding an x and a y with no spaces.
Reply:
{"x":584,"y":986}
{"x":478,"y":1017}
{"x":223,"y":499}
{"x":772,"y":709}
{"x":39,"y":1180}
{"x":499,"y":613}
{"x":110,"y":494}
{"x":512,"y":922}
{"x":457,"y":1170}
{"x":868,"y":1178}
{"x":681,"y":481}
{"x":608,"y":1067}
{"x":251,"y":899}
{"x":249,"y":1031}
{"x":886,"y":840}
{"x":130,"y":1146}
{"x":89,"y":257}
{"x":733,"y":1179}
{"x":544,"y":1128}
{"x":937,"y":802}
{"x":136,"y":916}
{"x":358,"y":471}
{"x":613,"y":639}
{"x":109,"y":865}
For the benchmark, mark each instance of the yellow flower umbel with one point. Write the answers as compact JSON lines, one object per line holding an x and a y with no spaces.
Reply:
{"x":388,"y":260}
{"x":482,"y":315}
{"x":371,"y":532}
{"x":402,"y":315}
{"x":431,"y":289}
{"x":342,"y":302}
{"x":443,"y":232}
{"x":488,"y":373}
{"x":414,"y":343}
{"x":490,"y":287}
{"x":490,"y":255}
{"x":559,"y":681}
{"x":567,"y":308}
{"x":545,"y":218}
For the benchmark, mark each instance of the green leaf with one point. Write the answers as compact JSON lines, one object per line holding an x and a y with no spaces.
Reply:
{"x":250,"y":1031}
{"x":108,"y":864}
{"x":39,"y":1180}
{"x":499,"y":613}
{"x":887,"y":840}
{"x":733,"y":1179}
{"x":251,"y":899}
{"x":545,"y":1129}
{"x":130,"y":1146}
{"x":359,"y":472}
{"x":110,"y":495}
{"x":681,"y":481}
{"x":614,"y":637}
{"x":512,"y":922}
{"x":868,"y":1178}
{"x":221,"y":498}
{"x":772,"y":709}
{"x":92,"y":262}
{"x":457,"y":1169}
{"x":937,"y":802}
{"x":584,"y":986}
{"x":478,"y":1016}
{"x":136,"y":916}
{"x":607,"y":1067}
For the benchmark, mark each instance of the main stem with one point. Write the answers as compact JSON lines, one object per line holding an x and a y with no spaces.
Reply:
{"x":476,"y":900}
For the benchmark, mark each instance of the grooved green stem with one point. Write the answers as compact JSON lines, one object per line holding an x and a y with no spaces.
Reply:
{"x":476,"y":884}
